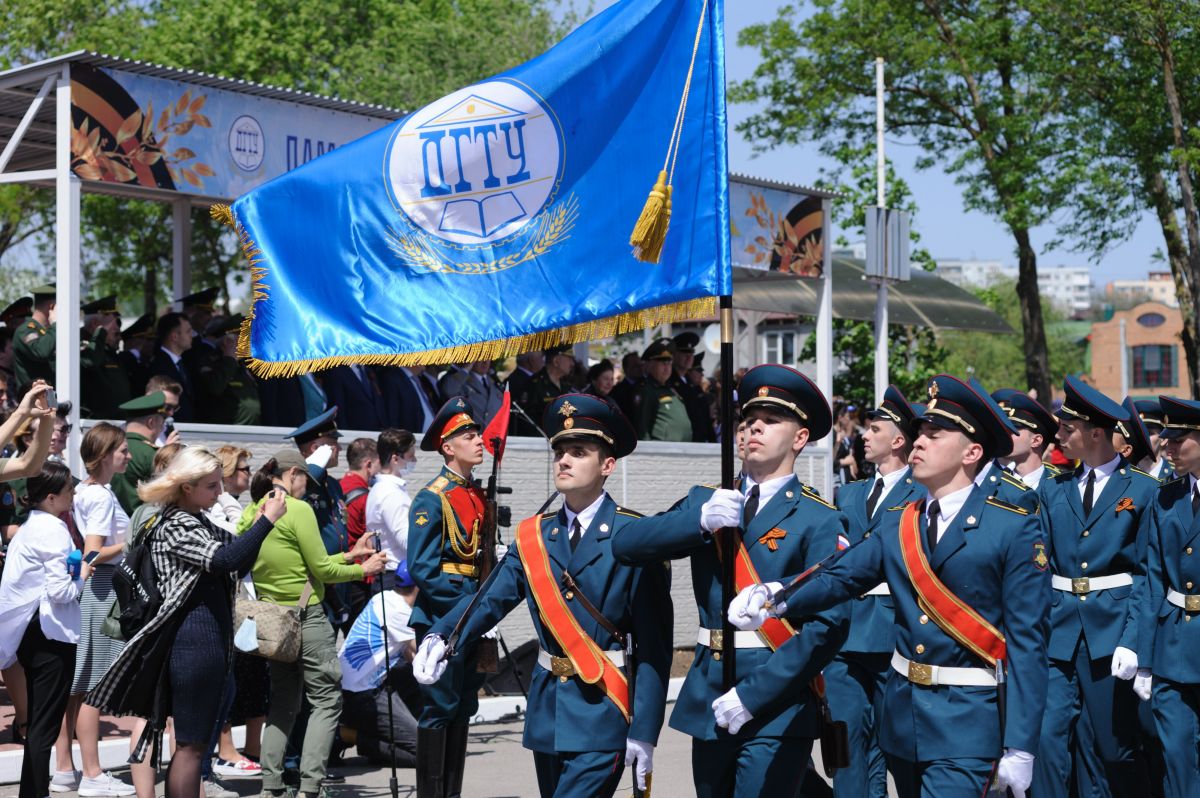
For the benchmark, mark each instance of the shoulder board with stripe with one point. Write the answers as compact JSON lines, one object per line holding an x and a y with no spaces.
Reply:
{"x":711,"y":487}
{"x":1137,"y":470}
{"x":1052,"y":469}
{"x":812,"y":494}
{"x":1172,"y":482}
{"x":1012,"y":508}
{"x":438,"y":485}
{"x":1006,"y":477}
{"x":628,"y":512}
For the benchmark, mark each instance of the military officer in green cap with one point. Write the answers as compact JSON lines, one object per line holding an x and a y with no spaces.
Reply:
{"x":104,"y":385}
{"x":226,"y":391}
{"x":34,"y":341}
{"x":144,"y":418}
{"x":662,"y":413}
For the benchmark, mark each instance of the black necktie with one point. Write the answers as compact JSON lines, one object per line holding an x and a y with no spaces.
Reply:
{"x":576,"y":533}
{"x":751,"y":508}
{"x":931,"y":531}
{"x":1089,"y":493}
{"x":873,"y":499}
{"x":1195,"y":498}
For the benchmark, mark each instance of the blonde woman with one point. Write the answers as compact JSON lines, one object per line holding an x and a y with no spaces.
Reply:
{"x":170,"y":666}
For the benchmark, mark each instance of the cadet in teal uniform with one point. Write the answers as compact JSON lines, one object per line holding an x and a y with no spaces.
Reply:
{"x":855,"y":680}
{"x":34,"y":341}
{"x":1096,"y":544}
{"x":941,"y":730}
{"x":444,"y":537}
{"x":580,"y":737}
{"x":994,"y":478}
{"x":1035,"y":430}
{"x":317,"y":441}
{"x":755,"y":738}
{"x":1151,"y":414}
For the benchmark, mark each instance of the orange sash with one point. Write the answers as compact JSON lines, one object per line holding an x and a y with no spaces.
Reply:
{"x":970,"y":629}
{"x":591,"y":665}
{"x":776,"y":631}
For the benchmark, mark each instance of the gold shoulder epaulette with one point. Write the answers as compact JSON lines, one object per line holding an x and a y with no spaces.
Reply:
{"x":992,"y":500}
{"x":438,"y":485}
{"x":628,"y":512}
{"x":1137,"y":470}
{"x":1052,"y":469}
{"x":812,"y":494}
{"x":711,"y":487}
{"x":1018,"y":483}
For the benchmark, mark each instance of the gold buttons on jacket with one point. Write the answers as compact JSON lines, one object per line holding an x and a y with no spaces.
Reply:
{"x":920,"y":648}
{"x":1086,"y":532}
{"x":1188,"y":550}
{"x":569,"y":595}
{"x":924,"y":619}
{"x":1083,"y":565}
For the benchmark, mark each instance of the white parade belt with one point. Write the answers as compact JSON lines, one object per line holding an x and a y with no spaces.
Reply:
{"x":880,"y":589}
{"x":561,"y":666}
{"x":1086,"y":584}
{"x":934,"y":675}
{"x":715,"y":639}
{"x":1183,"y":601}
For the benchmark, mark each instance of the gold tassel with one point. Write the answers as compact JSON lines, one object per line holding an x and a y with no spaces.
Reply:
{"x":651,"y":229}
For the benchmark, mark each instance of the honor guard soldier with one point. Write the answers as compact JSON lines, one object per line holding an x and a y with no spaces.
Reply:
{"x":317,"y":440}
{"x":1151,"y":414}
{"x":34,"y":341}
{"x":1168,"y":619}
{"x":598,"y":695}
{"x":1035,"y":430}
{"x":1093,"y":516}
{"x":444,"y":536}
{"x":227,"y":391}
{"x":144,"y":417}
{"x":754,"y":739}
{"x":967,"y":573}
{"x":104,"y":384}
{"x":662,"y":412}
{"x":856,"y":678}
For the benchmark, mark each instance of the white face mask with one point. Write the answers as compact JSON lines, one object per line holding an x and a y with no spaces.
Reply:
{"x":406,"y":468}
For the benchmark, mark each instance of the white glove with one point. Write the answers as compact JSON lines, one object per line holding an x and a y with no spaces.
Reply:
{"x":320,"y":456}
{"x":1015,"y":771}
{"x":492,"y":634}
{"x":723,"y":509}
{"x":1142,"y":683}
{"x":640,"y":757}
{"x":501,"y":550}
{"x":430,"y":662}
{"x":1124,"y":663}
{"x":748,"y":609}
{"x":730,"y":712}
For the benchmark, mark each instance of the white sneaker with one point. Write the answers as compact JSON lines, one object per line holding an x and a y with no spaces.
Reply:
{"x":65,"y":780}
{"x":103,"y":786}
{"x":213,"y":788}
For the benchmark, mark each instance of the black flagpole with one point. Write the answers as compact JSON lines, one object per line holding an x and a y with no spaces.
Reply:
{"x":727,"y":538}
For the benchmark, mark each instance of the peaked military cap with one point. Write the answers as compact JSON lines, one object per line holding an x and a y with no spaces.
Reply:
{"x":662,"y":349}
{"x":200,"y":300}
{"x":895,"y":408}
{"x":773,"y":385}
{"x":698,"y":361}
{"x":983,"y":392}
{"x":1025,"y":411}
{"x":454,"y":417}
{"x":223,"y":325}
{"x":1151,"y":413}
{"x":580,"y":415}
{"x":1085,"y":403}
{"x":1135,"y":433}
{"x":144,"y":405}
{"x":19,"y":309}
{"x":561,"y":349}
{"x":953,"y":404}
{"x":47,"y":291}
{"x":105,"y":304}
{"x":1181,"y":416}
{"x":686,"y":343}
{"x":142,"y":327}
{"x":318,"y":427}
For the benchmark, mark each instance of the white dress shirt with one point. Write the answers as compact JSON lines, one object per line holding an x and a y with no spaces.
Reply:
{"x":948,"y":507}
{"x":766,"y":490}
{"x":1102,"y":474}
{"x":585,"y":516}
{"x":889,"y":482}
{"x":98,"y":513}
{"x":388,"y":503}
{"x":1034,"y":477}
{"x":36,"y":579}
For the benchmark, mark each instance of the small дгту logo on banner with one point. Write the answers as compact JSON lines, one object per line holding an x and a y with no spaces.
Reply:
{"x":477,"y":169}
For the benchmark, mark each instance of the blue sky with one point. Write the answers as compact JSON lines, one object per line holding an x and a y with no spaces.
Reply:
{"x":947,"y":231}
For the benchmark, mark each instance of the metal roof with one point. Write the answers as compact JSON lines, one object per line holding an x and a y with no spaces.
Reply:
{"x":926,"y":300}
{"x":758,"y":181}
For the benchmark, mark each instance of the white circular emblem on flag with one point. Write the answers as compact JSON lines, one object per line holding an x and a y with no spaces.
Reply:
{"x":477,"y":165}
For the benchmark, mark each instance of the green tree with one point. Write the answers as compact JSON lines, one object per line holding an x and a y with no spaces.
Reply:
{"x":963,"y":82}
{"x":914,"y":355}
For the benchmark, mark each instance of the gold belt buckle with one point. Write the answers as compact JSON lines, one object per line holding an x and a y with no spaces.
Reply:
{"x":716,"y":640}
{"x":1081,"y":585}
{"x":561,"y":666}
{"x":919,"y":673}
{"x":1191,"y":603}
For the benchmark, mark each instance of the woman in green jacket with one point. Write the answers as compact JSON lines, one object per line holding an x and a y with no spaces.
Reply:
{"x":292,"y":569}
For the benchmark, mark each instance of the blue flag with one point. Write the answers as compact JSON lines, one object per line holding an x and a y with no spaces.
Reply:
{"x":497,"y":219}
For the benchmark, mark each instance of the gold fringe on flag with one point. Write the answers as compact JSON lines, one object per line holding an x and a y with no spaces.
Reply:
{"x":632,"y":321}
{"x":650,"y":231}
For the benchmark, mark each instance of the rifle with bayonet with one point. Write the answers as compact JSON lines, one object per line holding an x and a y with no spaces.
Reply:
{"x":494,"y":516}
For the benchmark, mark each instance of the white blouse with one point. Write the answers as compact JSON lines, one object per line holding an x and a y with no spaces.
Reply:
{"x":36,"y":578}
{"x":97,"y":512}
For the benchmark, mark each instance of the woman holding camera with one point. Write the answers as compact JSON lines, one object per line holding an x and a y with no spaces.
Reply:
{"x":171,"y":665}
{"x":293,"y":568}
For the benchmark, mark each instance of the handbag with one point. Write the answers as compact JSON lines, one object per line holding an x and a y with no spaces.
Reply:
{"x":277,"y":626}
{"x":111,"y":625}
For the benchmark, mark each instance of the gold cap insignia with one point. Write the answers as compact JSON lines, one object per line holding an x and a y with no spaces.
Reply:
{"x":460,"y":403}
{"x":933,"y":390}
{"x":932,"y":404}
{"x":570,"y":422}
{"x":567,"y":409}
{"x":763,"y":391}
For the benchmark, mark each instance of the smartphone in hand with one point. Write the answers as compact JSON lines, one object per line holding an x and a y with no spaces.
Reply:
{"x":90,"y":557}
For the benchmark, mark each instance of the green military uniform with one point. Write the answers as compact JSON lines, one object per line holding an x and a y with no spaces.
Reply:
{"x":228,"y":393}
{"x":542,"y":390}
{"x":137,"y":338}
{"x":141,"y":451}
{"x":662,"y":412}
{"x":104,"y":384}
{"x":33,"y":347}
{"x":15,"y":314}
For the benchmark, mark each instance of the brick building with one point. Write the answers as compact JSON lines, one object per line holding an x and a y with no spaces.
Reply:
{"x":1155,"y":361}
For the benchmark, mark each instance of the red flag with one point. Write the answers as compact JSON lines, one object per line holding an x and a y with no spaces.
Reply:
{"x":496,"y":433}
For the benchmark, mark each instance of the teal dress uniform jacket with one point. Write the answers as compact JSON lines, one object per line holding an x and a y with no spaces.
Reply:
{"x":989,"y":557}
{"x":773,"y":686}
{"x":566,"y":715}
{"x":1168,"y":640}
{"x":1005,"y":487}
